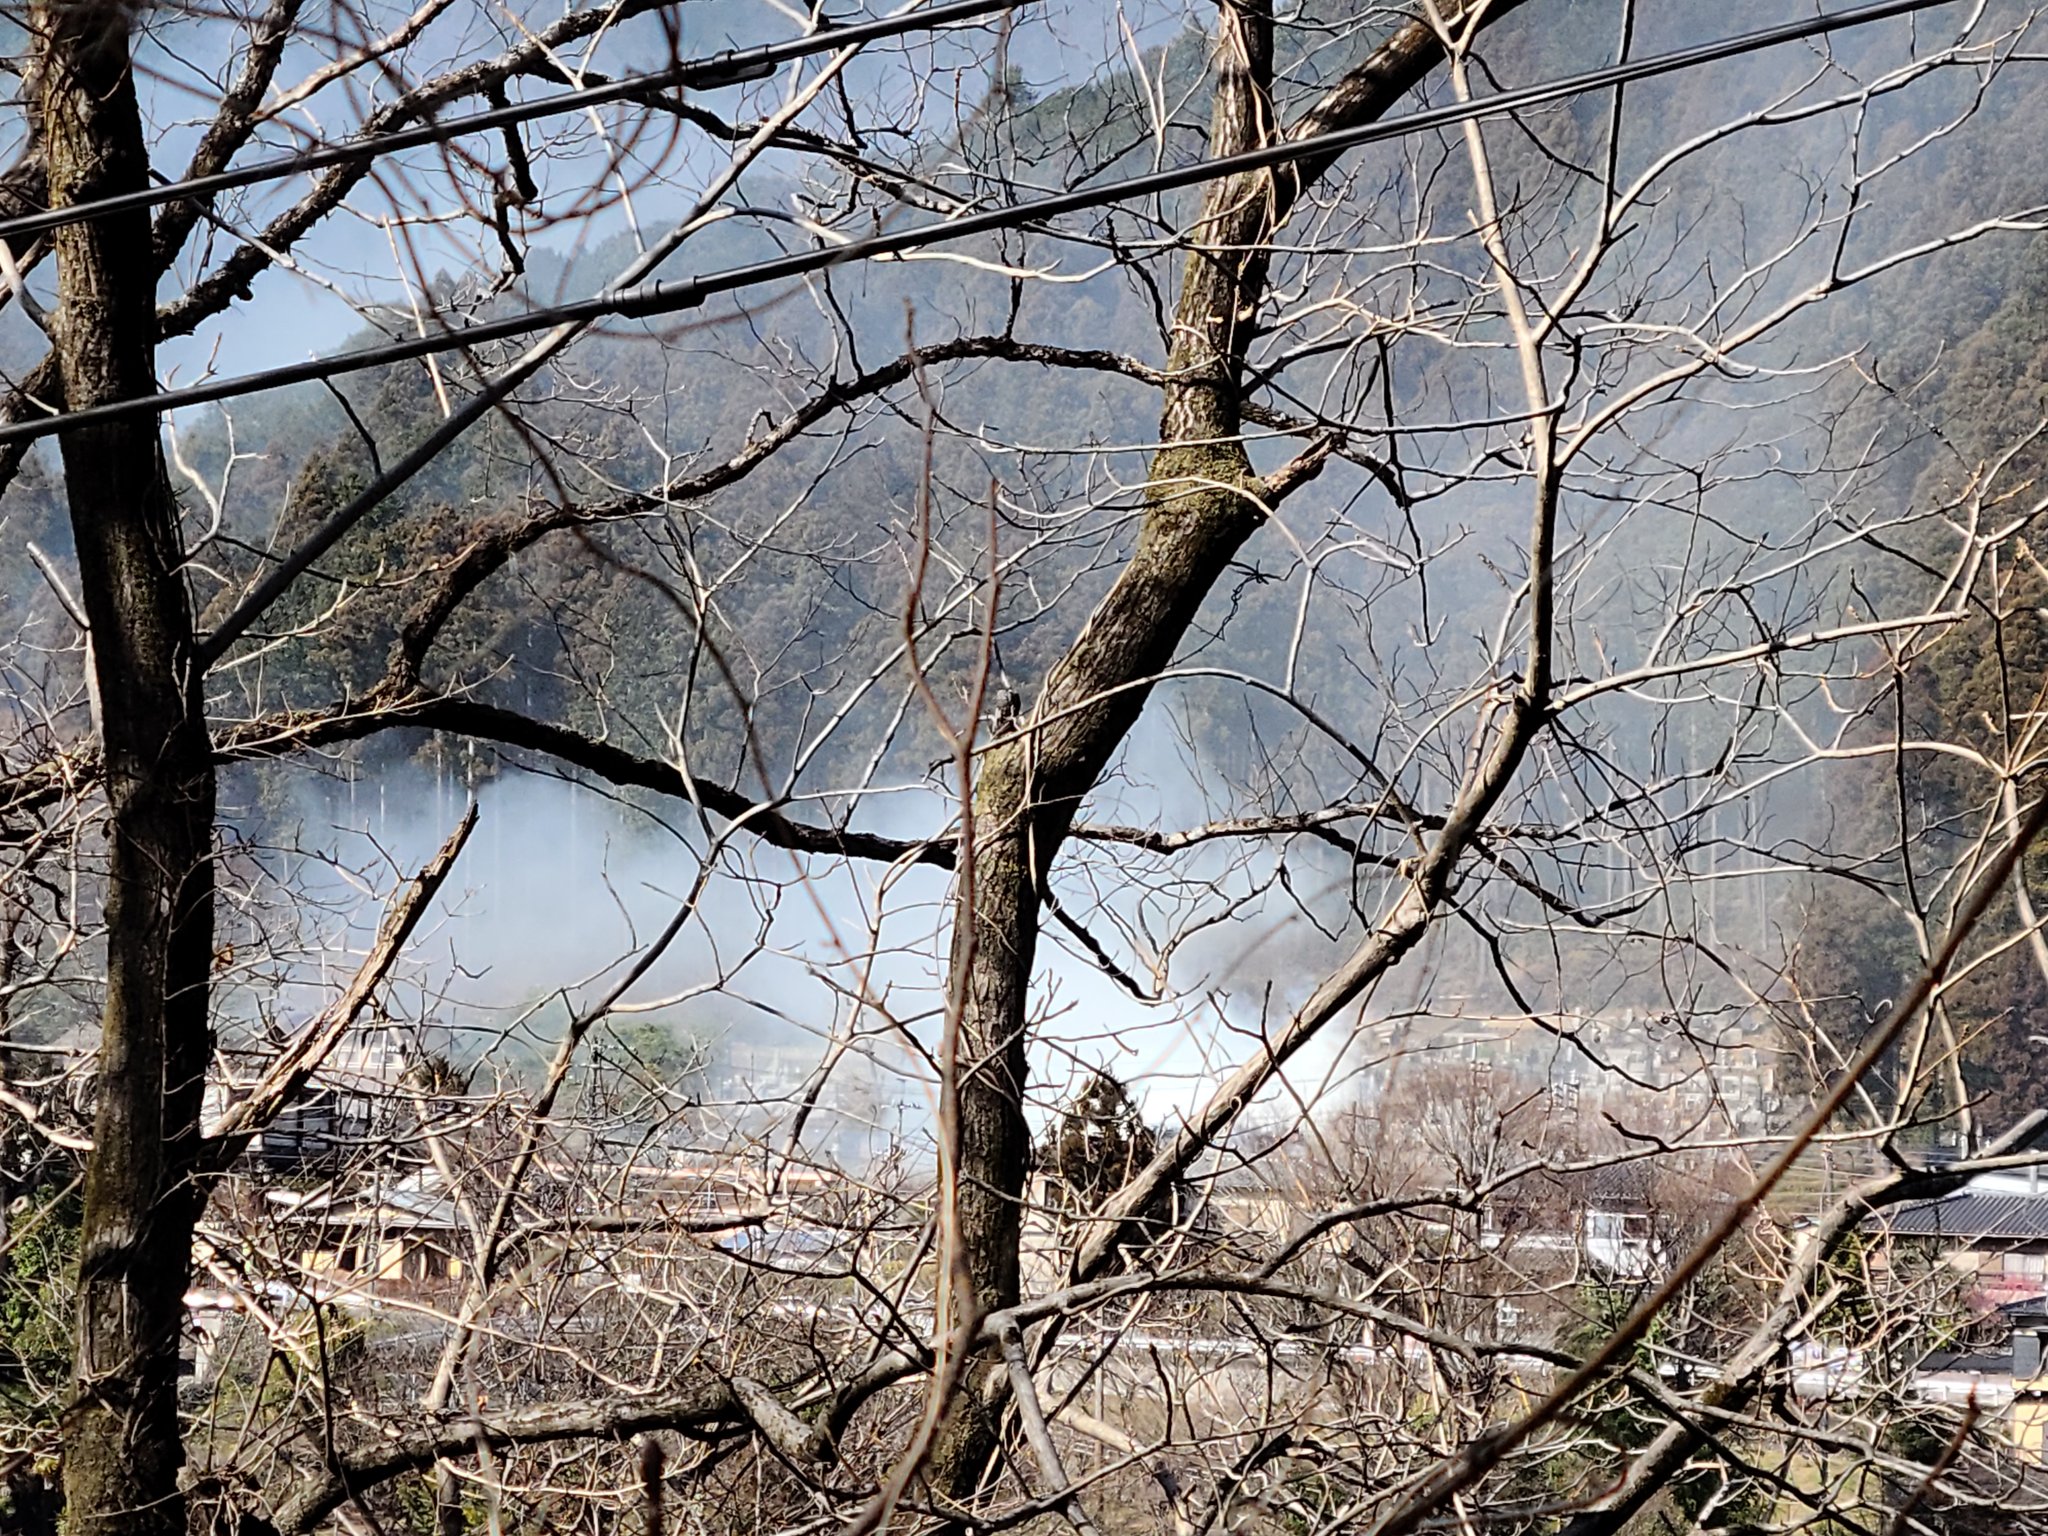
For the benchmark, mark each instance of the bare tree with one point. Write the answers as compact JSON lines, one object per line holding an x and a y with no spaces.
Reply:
{"x":1386,"y":607}
{"x":141,"y":1195}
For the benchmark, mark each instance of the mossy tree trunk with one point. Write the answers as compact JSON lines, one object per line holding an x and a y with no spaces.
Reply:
{"x":121,"y":1443}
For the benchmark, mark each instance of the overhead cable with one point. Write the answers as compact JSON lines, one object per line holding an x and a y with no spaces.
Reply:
{"x":732,"y":67}
{"x":673,"y":296}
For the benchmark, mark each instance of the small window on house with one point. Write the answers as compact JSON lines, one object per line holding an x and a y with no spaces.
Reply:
{"x":348,"y":1257}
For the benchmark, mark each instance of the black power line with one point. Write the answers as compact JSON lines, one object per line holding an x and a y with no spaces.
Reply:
{"x":670,"y":297}
{"x":729,"y":68}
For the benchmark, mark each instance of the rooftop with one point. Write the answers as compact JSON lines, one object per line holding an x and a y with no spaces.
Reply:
{"x":1973,"y":1216}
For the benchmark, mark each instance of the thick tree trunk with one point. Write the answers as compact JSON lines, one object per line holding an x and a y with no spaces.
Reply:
{"x":1198,"y":516}
{"x":1203,"y":500}
{"x":121,"y":1444}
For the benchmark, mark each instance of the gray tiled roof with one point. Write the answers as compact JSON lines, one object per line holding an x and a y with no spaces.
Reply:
{"x":1982,"y":1364}
{"x":2015,"y":1217}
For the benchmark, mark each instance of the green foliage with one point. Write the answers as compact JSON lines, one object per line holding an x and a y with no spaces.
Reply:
{"x":38,"y":1269}
{"x":1897,"y":825}
{"x":31,"y":1497}
{"x":1712,"y":1496}
{"x":664,"y":1054}
{"x":1916,"y":1437}
{"x":37,"y":1274}
{"x":417,"y":1509}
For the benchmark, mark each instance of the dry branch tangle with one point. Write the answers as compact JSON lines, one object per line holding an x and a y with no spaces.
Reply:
{"x":1477,"y":803}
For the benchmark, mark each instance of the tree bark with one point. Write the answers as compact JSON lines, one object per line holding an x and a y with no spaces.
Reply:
{"x":1197,"y":517}
{"x":122,"y":1451}
{"x":1203,"y":500}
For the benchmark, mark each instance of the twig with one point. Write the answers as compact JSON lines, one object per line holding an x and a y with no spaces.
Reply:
{"x":289,"y":1074}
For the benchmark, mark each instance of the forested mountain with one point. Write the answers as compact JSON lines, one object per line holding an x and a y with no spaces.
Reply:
{"x":798,"y":567}
{"x":1970,"y":703}
{"x":797,"y":562}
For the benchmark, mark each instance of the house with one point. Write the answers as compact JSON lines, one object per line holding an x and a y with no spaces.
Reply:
{"x":1994,"y":1232}
{"x":1995,"y":1369}
{"x":354,"y":1101}
{"x":2030,"y":1379}
{"x":405,"y":1229}
{"x":1995,"y":1229}
{"x":2008,"y":1377}
{"x":1619,"y":1227}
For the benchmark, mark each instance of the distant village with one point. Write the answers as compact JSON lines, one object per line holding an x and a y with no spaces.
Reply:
{"x":355,"y":1198}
